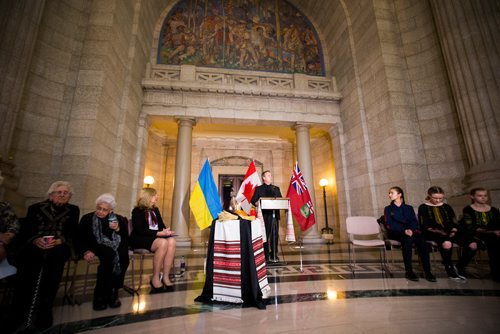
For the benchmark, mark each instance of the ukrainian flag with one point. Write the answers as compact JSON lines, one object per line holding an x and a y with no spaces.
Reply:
{"x":204,"y":201}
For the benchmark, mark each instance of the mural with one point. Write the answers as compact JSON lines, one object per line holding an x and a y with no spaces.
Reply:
{"x":262,"y":35}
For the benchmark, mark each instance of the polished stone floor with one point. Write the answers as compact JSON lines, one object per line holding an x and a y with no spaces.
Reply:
{"x":315,"y":292}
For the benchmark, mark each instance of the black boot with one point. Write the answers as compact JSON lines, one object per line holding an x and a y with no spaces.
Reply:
{"x":467,"y":256}
{"x":114,"y":301}
{"x":99,"y":304}
{"x":452,"y":273}
{"x":44,"y":318}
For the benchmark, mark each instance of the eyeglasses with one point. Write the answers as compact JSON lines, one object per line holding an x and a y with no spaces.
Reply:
{"x":103,"y":209}
{"x":61,"y":193}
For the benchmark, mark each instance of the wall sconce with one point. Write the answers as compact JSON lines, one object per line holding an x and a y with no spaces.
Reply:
{"x":326,"y":232}
{"x":149,"y":180}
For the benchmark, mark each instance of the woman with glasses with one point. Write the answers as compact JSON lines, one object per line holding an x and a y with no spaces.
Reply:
{"x":439,"y":224}
{"x":47,"y":238}
{"x":104,"y":235}
{"x":149,"y":232}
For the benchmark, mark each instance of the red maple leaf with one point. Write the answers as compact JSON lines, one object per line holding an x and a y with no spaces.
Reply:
{"x":248,"y":191}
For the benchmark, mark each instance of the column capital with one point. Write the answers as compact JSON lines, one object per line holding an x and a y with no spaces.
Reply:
{"x":185,"y":121}
{"x":300,"y":125}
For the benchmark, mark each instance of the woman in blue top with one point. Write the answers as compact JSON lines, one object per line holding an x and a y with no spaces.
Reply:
{"x":402,"y":225}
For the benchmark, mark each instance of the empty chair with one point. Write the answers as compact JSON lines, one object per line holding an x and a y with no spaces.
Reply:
{"x":365,"y":227}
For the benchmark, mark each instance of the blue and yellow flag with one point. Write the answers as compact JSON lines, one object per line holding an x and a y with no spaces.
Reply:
{"x":204,"y":201}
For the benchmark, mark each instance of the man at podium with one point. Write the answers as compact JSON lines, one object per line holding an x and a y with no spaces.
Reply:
{"x":271,"y":217}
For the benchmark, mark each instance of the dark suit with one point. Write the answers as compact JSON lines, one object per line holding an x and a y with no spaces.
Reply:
{"x":271,"y":246}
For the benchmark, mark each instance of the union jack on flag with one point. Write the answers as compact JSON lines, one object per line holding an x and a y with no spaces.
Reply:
{"x":297,"y":180}
{"x":300,"y":200}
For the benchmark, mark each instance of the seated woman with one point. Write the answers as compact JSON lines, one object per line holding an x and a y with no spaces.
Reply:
{"x":46,"y":242}
{"x":149,"y":232}
{"x":439,"y":224}
{"x":482,"y":220}
{"x":104,"y":235}
{"x":402,"y":225}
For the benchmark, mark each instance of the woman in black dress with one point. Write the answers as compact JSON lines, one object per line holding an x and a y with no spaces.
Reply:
{"x":439,"y":224}
{"x":149,"y":232}
{"x":482,"y":221}
{"x":104,"y":235}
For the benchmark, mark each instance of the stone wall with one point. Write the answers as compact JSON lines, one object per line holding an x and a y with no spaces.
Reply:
{"x":398,"y":121}
{"x":39,"y":143}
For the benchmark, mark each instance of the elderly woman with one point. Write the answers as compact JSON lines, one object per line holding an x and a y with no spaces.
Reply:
{"x":149,"y":232}
{"x":104,"y":235}
{"x":46,"y":242}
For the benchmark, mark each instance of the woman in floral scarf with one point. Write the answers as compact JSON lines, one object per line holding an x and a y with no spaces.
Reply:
{"x":104,"y":235}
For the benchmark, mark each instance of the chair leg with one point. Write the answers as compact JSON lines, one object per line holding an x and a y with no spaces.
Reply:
{"x":383,"y":261}
{"x":352,"y":258}
{"x":131,"y":290}
{"x":86,"y":279}
{"x":69,"y":292}
{"x":141,"y":271}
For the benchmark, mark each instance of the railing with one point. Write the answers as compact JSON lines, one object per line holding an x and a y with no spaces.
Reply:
{"x":189,"y":77}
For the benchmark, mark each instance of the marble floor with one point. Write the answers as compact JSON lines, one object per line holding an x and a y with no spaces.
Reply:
{"x":315,"y":292}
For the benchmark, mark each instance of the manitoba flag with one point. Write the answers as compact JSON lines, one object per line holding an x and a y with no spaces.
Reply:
{"x":247,"y":188}
{"x":300,"y":200}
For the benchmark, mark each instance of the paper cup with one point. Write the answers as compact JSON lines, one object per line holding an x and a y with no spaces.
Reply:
{"x":48,"y":239}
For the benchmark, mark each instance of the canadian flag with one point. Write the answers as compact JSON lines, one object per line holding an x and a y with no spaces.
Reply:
{"x":247,"y":188}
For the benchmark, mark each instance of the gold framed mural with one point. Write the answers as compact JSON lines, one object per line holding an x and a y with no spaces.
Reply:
{"x":257,"y":35}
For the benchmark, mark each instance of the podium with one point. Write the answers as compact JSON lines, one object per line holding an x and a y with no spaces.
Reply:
{"x":276,"y":203}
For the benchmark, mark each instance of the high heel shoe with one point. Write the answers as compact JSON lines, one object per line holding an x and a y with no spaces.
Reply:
{"x":155,"y":289}
{"x":168,"y":288}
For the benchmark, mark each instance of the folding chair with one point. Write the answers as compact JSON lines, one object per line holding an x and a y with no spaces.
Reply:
{"x":365,"y":227}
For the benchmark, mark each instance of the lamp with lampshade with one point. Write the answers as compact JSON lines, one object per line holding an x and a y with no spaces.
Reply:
{"x":326,"y":232}
{"x":149,"y":180}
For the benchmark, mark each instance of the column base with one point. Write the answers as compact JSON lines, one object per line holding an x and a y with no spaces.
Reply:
{"x":183,"y":242}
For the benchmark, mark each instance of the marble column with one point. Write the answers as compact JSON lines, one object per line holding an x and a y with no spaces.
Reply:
{"x":305,"y":164}
{"x":182,"y":179}
{"x":469,"y":37}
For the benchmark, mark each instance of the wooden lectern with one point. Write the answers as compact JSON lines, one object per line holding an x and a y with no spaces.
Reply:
{"x":274,"y":203}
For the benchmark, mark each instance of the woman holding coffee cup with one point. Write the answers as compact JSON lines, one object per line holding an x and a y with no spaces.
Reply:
{"x":45,"y":244}
{"x":104,"y":235}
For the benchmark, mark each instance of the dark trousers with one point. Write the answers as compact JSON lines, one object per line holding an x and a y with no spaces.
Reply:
{"x":493,"y":246}
{"x":446,"y":254}
{"x":107,"y":282}
{"x":407,"y":248}
{"x":272,"y":230}
{"x":31,"y":262}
